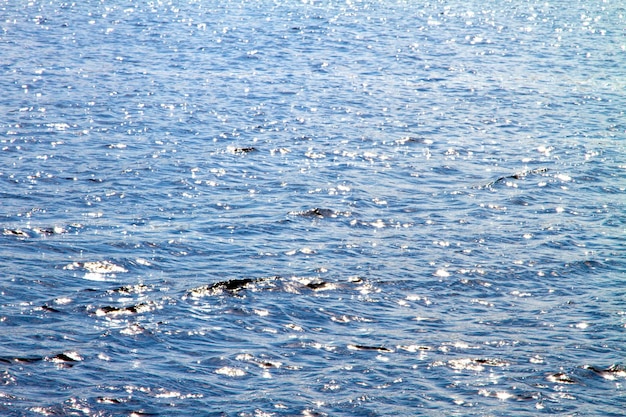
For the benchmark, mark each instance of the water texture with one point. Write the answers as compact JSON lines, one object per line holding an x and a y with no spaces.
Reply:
{"x":312,"y":208}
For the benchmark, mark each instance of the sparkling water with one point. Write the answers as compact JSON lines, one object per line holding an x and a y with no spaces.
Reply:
{"x":312,"y":208}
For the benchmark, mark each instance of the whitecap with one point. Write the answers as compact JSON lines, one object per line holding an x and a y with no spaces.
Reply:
{"x":230,"y":371}
{"x":442,"y":273}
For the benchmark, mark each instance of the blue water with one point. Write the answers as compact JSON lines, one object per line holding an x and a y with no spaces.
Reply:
{"x":312,"y":208}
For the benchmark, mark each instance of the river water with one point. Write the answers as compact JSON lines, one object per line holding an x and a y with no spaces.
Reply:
{"x":316,"y":208}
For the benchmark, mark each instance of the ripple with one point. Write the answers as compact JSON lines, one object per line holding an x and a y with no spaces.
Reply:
{"x":312,"y":209}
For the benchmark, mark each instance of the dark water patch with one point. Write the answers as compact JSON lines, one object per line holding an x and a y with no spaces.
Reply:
{"x":610,"y":373}
{"x":19,"y":233}
{"x":380,"y":349}
{"x":320,"y":213}
{"x":472,"y":364}
{"x":131,"y":289}
{"x":516,"y":176}
{"x":49,"y":309}
{"x":37,"y":231}
{"x":65,"y":359}
{"x":140,"y":308}
{"x":293,"y":285}
{"x":411,"y":140}
{"x":232,"y":287}
{"x":321,"y":286}
{"x":48,"y":231}
{"x":244,"y":150}
{"x":11,"y":360}
{"x":561,"y":378}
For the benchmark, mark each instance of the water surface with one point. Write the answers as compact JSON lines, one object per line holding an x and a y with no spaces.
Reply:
{"x":312,"y":208}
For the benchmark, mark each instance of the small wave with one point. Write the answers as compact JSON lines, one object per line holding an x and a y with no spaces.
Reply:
{"x":611,"y":373}
{"x":516,"y":176}
{"x":232,"y":286}
{"x":139,"y":308}
{"x":319,"y":213}
{"x":380,"y":349}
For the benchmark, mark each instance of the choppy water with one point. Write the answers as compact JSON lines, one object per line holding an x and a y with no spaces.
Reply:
{"x":312,"y":208}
